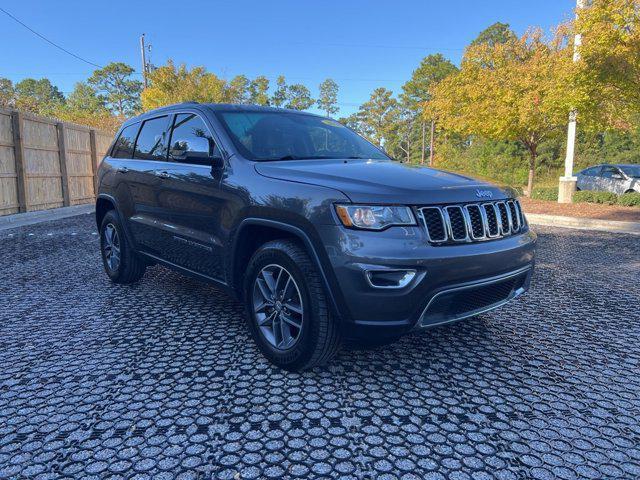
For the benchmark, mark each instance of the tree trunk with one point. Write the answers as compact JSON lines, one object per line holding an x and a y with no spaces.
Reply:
{"x":431,"y":144}
{"x":532,"y":170}
{"x":423,"y":143}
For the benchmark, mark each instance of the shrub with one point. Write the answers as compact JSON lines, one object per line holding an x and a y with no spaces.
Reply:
{"x":631,"y":199}
{"x":545,"y":193}
{"x":590,"y":196}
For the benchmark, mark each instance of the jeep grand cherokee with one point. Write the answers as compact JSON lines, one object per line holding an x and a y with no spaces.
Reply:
{"x":320,"y":234}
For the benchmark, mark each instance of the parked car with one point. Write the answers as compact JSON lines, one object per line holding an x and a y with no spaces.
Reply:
{"x":618,"y":179}
{"x":320,"y":234}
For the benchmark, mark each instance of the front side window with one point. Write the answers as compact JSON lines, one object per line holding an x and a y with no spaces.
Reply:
{"x":268,"y":136}
{"x":609,"y":172}
{"x":151,"y":144}
{"x":123,"y":147}
{"x":191,"y":141}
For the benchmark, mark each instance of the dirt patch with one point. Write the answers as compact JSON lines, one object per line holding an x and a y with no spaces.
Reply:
{"x":583,"y":210}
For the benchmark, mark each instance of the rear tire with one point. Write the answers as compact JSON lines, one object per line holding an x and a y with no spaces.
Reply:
{"x":310,"y":336}
{"x":121,"y":263}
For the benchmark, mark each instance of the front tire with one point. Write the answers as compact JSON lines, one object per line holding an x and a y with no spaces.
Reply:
{"x":120,"y":261}
{"x":286,"y":307}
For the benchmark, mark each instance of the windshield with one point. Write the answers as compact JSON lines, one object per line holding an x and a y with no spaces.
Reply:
{"x":294,"y":136}
{"x":631,"y":170}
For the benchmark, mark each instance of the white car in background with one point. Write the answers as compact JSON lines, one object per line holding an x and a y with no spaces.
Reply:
{"x":618,"y":178}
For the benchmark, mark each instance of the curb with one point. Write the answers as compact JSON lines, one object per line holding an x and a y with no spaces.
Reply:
{"x":612,"y":226}
{"x":31,"y":218}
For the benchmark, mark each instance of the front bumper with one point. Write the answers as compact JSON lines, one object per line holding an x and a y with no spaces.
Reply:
{"x":368,"y":311}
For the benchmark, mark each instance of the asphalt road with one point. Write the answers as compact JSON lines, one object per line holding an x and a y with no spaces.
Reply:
{"x":161,"y":379}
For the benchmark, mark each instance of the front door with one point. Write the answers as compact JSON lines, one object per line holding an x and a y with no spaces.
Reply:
{"x":189,"y":198}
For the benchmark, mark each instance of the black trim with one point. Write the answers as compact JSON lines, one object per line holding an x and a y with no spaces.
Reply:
{"x":298,"y":232}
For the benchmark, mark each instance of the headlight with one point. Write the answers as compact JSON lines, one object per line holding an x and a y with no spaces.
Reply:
{"x":374,"y":217}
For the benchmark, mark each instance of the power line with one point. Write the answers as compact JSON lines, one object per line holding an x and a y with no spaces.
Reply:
{"x":47,"y":40}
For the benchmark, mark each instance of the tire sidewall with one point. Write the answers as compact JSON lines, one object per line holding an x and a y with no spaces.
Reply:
{"x":300,"y":353}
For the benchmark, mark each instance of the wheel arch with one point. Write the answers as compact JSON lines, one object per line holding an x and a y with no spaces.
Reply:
{"x":254,"y":232}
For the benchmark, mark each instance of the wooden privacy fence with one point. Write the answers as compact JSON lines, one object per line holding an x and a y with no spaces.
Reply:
{"x":45,"y":163}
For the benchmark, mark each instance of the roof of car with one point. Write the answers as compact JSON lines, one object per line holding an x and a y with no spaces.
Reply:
{"x":216,"y":107}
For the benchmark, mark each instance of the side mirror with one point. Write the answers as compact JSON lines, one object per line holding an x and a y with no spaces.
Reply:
{"x":617,"y":176}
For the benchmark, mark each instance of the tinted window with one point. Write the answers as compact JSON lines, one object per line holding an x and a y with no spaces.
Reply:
{"x":291,"y":136}
{"x":593,"y":171}
{"x":608,"y":172}
{"x":631,"y":170}
{"x":151,"y":144}
{"x":191,"y":141}
{"x":124,"y":145}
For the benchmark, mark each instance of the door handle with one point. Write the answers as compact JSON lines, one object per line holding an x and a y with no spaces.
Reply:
{"x":163,"y":174}
{"x":122,"y":170}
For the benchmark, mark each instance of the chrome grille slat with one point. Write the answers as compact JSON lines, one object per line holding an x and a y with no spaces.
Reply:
{"x":473,"y":222}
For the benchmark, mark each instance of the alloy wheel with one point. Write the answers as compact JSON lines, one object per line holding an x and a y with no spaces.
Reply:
{"x":277,"y":306}
{"x":111,"y":247}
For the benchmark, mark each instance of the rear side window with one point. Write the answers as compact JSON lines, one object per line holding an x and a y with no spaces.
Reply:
{"x":123,"y":147}
{"x":591,"y":172}
{"x":151,"y":144}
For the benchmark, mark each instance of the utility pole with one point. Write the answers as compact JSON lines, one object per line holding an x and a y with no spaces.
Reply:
{"x":431,"y":143}
{"x":567,"y":185}
{"x":144,"y":61}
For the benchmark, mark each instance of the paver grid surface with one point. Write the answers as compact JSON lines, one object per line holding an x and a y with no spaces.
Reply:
{"x":162,"y":380}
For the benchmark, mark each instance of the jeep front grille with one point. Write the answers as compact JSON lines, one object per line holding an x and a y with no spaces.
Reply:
{"x":472,"y":222}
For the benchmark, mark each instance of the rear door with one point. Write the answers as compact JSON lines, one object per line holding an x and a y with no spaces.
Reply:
{"x":587,"y":179}
{"x":149,"y":158}
{"x":189,"y":197}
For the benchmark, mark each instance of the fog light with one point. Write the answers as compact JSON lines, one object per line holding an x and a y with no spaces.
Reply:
{"x":389,"y":278}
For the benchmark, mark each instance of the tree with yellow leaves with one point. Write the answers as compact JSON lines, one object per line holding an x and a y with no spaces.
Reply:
{"x":608,"y":73}
{"x":512,"y":90}
{"x":170,"y":84}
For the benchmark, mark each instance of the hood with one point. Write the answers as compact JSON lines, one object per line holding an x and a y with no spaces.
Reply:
{"x":382,"y":181}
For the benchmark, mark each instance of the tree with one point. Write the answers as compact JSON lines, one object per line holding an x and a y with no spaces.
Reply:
{"x":121,"y":92}
{"x":328,"y":99}
{"x":376,"y":118}
{"x":495,"y":34}
{"x":170,"y":84}
{"x":85,"y":101}
{"x":38,"y":96}
{"x":259,"y":91}
{"x":515,"y":90}
{"x":86,"y":107}
{"x":280,"y":95}
{"x":608,"y":73}
{"x":299,"y":97}
{"x":7,"y":93}
{"x":238,"y":89}
{"x":416,"y":92}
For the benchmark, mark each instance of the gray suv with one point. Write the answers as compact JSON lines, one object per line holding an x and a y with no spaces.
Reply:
{"x":321,"y":235}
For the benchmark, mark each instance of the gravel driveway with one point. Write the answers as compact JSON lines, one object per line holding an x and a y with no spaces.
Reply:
{"x":162,"y":380}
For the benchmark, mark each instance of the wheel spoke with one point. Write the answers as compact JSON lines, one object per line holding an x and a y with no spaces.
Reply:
{"x":263,"y":305}
{"x":291,"y":321}
{"x":293,"y":307}
{"x":267,"y":320}
{"x":264,"y":289}
{"x":269,"y":281}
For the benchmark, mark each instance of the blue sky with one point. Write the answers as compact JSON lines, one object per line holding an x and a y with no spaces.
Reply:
{"x":361,"y":44}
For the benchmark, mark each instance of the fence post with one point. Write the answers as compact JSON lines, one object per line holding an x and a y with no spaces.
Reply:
{"x":94,"y":161}
{"x":62,"y":149}
{"x":18,"y":154}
